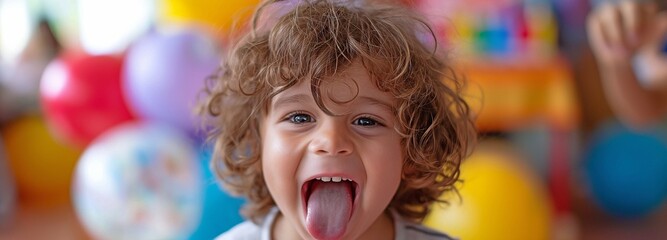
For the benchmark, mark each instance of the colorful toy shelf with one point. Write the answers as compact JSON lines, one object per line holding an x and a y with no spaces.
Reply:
{"x":506,"y":96}
{"x":511,"y":57}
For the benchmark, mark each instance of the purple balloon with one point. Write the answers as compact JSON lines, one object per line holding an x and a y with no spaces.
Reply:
{"x":165,"y":72}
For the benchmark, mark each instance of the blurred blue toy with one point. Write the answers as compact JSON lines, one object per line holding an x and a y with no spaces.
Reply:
{"x":220,"y":211}
{"x":626,"y":171}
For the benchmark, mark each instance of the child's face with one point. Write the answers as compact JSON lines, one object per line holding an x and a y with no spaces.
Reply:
{"x":301,"y":143}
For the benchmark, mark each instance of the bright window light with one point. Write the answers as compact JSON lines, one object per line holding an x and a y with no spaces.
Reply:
{"x":109,"y":26}
{"x":16,"y":27}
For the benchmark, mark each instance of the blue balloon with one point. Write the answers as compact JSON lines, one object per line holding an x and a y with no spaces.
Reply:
{"x":220,"y":210}
{"x":626,"y":170}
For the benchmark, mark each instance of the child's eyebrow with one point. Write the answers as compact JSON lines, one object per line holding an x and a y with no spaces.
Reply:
{"x":297,"y":98}
{"x":374,"y":101}
{"x":303,"y":98}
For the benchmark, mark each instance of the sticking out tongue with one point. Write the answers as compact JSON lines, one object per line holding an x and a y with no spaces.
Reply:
{"x":329,"y":207}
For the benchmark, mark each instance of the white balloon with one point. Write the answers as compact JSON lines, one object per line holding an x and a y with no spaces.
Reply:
{"x":139,"y":181}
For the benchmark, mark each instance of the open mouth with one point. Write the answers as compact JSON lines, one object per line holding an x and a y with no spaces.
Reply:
{"x":328,"y":205}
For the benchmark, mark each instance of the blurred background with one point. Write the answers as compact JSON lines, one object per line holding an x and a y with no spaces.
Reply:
{"x":99,"y":140}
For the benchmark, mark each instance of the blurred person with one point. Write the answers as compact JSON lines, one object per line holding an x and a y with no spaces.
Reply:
{"x":628,"y":41}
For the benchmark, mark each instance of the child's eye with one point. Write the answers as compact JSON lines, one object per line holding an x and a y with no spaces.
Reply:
{"x":300,"y":118}
{"x":365,"y":121}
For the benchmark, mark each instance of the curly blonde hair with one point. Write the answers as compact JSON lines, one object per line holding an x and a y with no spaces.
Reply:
{"x":315,"y":40}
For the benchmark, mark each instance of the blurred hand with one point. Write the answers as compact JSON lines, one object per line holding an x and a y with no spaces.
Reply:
{"x":618,"y":31}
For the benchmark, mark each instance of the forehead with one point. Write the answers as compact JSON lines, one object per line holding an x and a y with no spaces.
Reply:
{"x":353,"y":84}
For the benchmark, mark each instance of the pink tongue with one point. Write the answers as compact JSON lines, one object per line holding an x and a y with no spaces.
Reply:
{"x":329,"y":209}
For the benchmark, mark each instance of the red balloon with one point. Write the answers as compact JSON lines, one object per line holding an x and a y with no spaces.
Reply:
{"x":81,"y":96}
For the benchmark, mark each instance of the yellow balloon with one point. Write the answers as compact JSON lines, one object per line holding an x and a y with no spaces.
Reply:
{"x":42,"y":167}
{"x":500,"y":199}
{"x":220,"y":15}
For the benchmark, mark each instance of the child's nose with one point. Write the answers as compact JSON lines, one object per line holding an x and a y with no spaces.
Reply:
{"x":331,"y":139}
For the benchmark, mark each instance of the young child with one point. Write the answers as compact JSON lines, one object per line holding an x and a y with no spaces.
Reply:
{"x":626,"y":33}
{"x":336,"y":121}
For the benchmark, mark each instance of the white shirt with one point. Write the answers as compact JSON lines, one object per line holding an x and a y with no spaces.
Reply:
{"x":404,"y":230}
